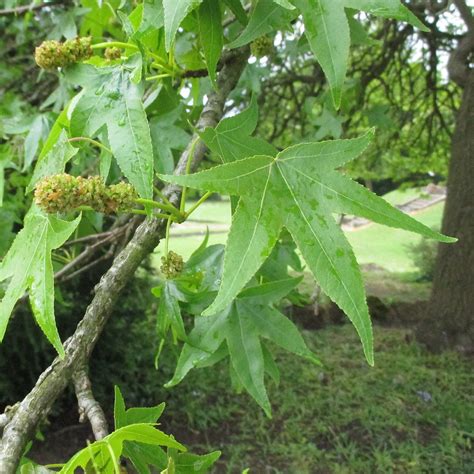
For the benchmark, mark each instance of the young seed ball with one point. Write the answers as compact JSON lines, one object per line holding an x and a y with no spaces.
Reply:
{"x":64,"y":193}
{"x":77,"y":49}
{"x":52,"y":54}
{"x":172,"y":265}
{"x":49,"y":55}
{"x":57,"y":193}
{"x":262,"y":46}
{"x":112,"y":53}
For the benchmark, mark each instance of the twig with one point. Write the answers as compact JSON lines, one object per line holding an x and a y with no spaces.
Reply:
{"x":28,"y":8}
{"x":92,"y":141}
{"x":458,"y":64}
{"x":90,"y":265}
{"x":89,"y":407}
{"x":466,"y":13}
{"x":88,"y":238}
{"x":85,"y":255}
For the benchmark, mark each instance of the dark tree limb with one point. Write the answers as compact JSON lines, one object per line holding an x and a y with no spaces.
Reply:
{"x":458,"y":65}
{"x":36,"y":405}
{"x":21,"y":10}
{"x":466,"y":13}
{"x":89,"y":407}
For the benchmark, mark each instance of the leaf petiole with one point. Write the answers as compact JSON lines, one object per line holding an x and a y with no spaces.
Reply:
{"x":90,"y":140}
{"x":188,"y":170}
{"x":167,"y":239}
{"x":158,"y":76}
{"x":162,"y":196}
{"x":197,"y":204}
{"x":114,"y":44}
{"x":165,"y":207}
{"x":161,"y":63}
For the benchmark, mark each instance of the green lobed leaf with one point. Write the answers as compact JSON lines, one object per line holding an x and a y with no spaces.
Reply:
{"x":359,"y":35}
{"x":54,"y":161}
{"x":112,"y":100}
{"x":327,"y":30}
{"x":144,"y":455}
{"x":174,"y":13}
{"x":285,"y":4}
{"x":270,"y":365}
{"x":124,"y":417}
{"x":165,"y":137}
{"x":152,"y":18}
{"x":187,"y":463}
{"x":328,"y":33}
{"x":28,"y":265}
{"x":140,"y":454}
{"x":120,"y":418}
{"x":169,"y":313}
{"x":211,"y":34}
{"x":100,"y":453}
{"x":36,"y":132}
{"x":2,"y":178}
{"x":299,"y":189}
{"x":387,"y":9}
{"x":237,"y":331}
{"x":246,"y":356}
{"x":61,"y":123}
{"x":266,"y":17}
{"x":231,"y":139}
{"x":271,"y":292}
{"x":238,"y":10}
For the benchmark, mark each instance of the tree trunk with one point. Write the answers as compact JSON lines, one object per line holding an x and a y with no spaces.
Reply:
{"x":449,"y":321}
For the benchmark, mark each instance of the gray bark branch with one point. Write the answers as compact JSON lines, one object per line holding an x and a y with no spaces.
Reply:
{"x":36,"y":405}
{"x":4,"y":419}
{"x":89,"y":407}
{"x":458,"y":64}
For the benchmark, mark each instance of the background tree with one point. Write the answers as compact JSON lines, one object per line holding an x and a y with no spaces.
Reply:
{"x":449,"y":320}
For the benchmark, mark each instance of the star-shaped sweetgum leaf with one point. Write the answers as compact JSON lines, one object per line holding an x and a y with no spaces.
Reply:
{"x":237,"y":330}
{"x":28,"y":267}
{"x":300,"y":190}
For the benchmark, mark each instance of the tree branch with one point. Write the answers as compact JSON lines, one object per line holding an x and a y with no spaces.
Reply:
{"x":458,"y":64}
{"x":89,"y":407}
{"x":36,"y":405}
{"x":4,"y":419}
{"x":28,"y":8}
{"x":466,"y":13}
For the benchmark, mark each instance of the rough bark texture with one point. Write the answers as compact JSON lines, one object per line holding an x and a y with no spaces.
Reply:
{"x":89,"y":407}
{"x":36,"y":405}
{"x":449,"y":322}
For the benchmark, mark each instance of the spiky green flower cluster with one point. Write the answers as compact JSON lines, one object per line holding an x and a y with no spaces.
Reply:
{"x":262,"y":46}
{"x":172,"y":265}
{"x":112,"y":53}
{"x":52,"y":54}
{"x":64,"y":193}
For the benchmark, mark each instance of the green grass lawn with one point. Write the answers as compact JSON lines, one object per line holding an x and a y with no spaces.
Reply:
{"x":383,"y":246}
{"x":388,"y":247}
{"x":401,"y":196}
{"x":411,"y":413}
